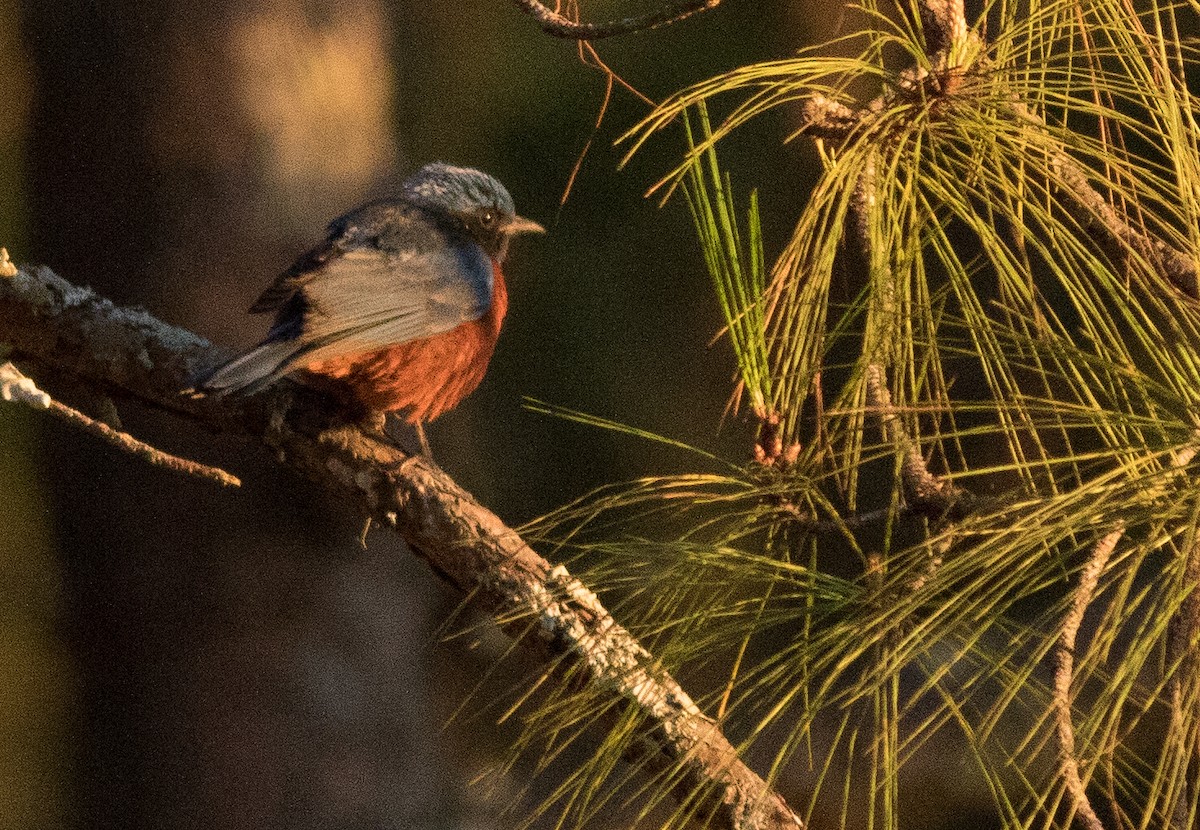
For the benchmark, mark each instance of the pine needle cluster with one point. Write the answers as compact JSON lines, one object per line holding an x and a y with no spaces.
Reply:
{"x":970,"y":519}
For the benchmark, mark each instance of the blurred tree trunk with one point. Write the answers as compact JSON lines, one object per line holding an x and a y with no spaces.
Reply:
{"x":272,"y":675}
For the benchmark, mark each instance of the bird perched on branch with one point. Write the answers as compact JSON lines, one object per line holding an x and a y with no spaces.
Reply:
{"x":398,"y":310}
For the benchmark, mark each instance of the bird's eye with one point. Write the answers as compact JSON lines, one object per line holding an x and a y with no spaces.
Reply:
{"x":487,"y":218}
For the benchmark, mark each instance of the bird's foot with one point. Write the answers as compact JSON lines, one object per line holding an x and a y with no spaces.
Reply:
{"x":392,"y":430}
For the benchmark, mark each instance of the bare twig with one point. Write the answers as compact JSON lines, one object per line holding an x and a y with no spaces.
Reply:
{"x":588,"y":56}
{"x":72,"y":330}
{"x":14,"y":386}
{"x":127,"y":443}
{"x":1064,"y":671}
{"x":558,"y":25}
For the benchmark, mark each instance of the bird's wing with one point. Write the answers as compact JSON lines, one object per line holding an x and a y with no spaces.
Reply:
{"x":385,"y":275}
{"x":369,"y":298}
{"x":285,"y":286}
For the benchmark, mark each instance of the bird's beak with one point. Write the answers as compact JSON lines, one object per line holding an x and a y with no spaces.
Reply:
{"x":520,"y":224}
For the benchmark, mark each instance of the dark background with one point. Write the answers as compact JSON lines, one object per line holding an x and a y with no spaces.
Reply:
{"x":173,"y":655}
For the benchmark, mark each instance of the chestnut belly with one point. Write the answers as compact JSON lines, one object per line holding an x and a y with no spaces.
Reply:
{"x":420,"y":378}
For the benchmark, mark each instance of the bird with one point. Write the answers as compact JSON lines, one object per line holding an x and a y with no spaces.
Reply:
{"x":399,"y":309}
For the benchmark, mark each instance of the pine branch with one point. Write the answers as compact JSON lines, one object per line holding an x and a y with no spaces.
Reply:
{"x":925,"y":493}
{"x":1116,"y":235}
{"x":943,"y":22}
{"x":61,"y":328}
{"x":1064,"y":672}
{"x":1182,"y":639}
{"x":833,"y":121}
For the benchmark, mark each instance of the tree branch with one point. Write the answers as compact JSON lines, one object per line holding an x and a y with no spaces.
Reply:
{"x":1182,"y":660}
{"x":944,"y":22}
{"x":1064,"y":672}
{"x":67,"y":329}
{"x":558,"y":25}
{"x":825,"y":118}
{"x":1115,"y":234}
{"x":15,"y":387}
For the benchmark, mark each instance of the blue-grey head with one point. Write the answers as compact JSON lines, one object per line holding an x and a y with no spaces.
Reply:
{"x":473,"y":199}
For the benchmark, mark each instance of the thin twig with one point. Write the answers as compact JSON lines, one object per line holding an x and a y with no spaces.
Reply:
{"x":14,"y":386}
{"x":558,"y":25}
{"x":1064,"y":670}
{"x":127,"y":443}
{"x":589,"y":57}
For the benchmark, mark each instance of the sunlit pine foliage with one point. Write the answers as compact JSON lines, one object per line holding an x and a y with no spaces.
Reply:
{"x":1040,"y":361}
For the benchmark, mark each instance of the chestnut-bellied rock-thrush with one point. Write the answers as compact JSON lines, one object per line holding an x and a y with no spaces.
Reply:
{"x":398,"y":310}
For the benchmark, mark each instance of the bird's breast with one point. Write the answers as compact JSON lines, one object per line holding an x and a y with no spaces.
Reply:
{"x":424,"y":377}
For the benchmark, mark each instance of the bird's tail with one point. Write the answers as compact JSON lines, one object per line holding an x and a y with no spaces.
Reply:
{"x":250,"y":372}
